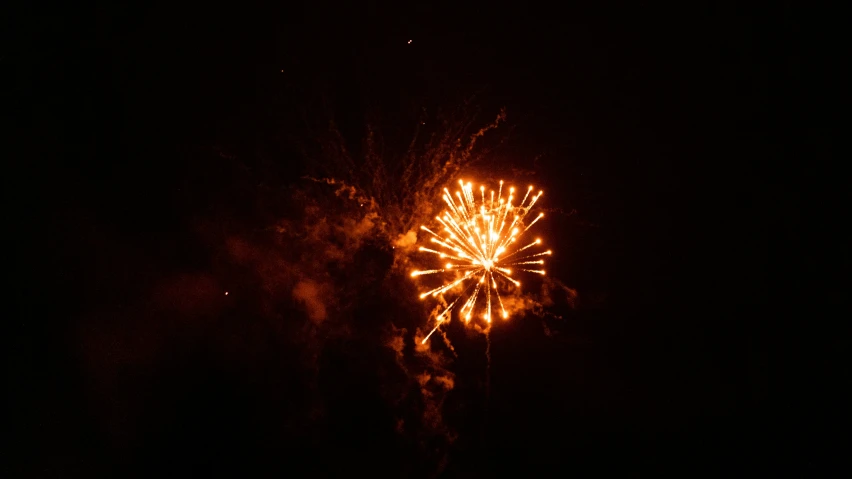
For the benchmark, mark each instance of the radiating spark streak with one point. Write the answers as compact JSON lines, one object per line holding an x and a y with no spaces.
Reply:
{"x":428,"y":271}
{"x":520,"y":261}
{"x":456,"y":244}
{"x":440,"y":320}
{"x":453,"y":247}
{"x":526,"y":195}
{"x":522,"y":249}
{"x":499,"y":299}
{"x":517,"y":283}
{"x":488,"y":300}
{"x":471,"y":302}
{"x":452,"y":204}
{"x":452,"y":285}
{"x":430,"y":231}
{"x":540,"y":216}
{"x":546,"y":253}
{"x":478,"y":237}
{"x":430,"y":332}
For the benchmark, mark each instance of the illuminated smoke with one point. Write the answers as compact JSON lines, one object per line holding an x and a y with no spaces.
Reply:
{"x":406,"y":240}
{"x":309,"y":293}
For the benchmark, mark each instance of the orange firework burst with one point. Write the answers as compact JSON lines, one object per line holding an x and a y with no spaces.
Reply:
{"x":479,"y":240}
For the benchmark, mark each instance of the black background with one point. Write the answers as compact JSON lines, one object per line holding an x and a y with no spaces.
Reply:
{"x":692,"y":142}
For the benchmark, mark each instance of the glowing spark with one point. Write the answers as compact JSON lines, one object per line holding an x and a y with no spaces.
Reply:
{"x":479,"y":233}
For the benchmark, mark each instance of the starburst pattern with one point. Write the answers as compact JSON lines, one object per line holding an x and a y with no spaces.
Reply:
{"x":478,"y":238}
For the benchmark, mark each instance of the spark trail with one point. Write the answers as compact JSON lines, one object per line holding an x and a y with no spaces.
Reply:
{"x":479,"y":237}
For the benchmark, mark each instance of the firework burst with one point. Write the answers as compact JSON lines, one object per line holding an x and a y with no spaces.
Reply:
{"x":479,"y":237}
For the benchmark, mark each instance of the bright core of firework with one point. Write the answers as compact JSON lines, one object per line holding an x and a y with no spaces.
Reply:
{"x":479,"y":240}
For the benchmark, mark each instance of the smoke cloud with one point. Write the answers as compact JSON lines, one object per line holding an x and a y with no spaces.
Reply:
{"x":310,"y":293}
{"x":319,"y":281}
{"x":406,"y":240}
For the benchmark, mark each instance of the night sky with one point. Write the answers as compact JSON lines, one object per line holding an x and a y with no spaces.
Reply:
{"x":161,"y":161}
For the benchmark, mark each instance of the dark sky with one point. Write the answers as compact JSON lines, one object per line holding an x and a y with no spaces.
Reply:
{"x":687,"y":145}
